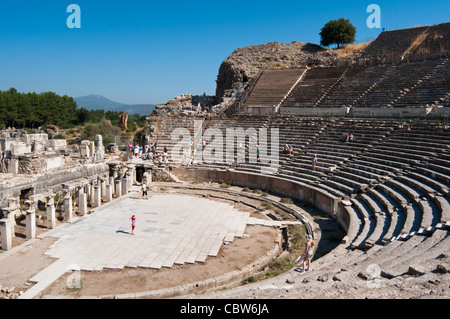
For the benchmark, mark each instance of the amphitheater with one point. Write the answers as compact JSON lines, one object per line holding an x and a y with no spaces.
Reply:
{"x":376,"y":205}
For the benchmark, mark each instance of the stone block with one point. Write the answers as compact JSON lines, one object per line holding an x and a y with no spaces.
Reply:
{"x":118,"y":189}
{"x":51,"y":217}
{"x":31,"y":224}
{"x":55,"y":162}
{"x":29,"y":138}
{"x":5,"y":230}
{"x":109,"y":192}
{"x":20,"y":148}
{"x":97,"y":200}
{"x":82,"y":198}
{"x":68,"y":209}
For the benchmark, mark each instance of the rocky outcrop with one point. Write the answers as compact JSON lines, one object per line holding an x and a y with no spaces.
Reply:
{"x":244,"y":65}
{"x":187,"y":104}
{"x":123,"y":120}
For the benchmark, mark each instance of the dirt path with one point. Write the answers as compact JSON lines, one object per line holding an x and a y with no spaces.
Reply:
{"x":18,"y":267}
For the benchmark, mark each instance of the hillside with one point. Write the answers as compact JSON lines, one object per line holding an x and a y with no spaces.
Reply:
{"x":98,"y":102}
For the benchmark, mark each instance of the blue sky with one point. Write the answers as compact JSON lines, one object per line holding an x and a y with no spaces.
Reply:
{"x":143,"y":51}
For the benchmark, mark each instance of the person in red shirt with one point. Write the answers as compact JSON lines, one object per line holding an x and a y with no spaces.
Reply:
{"x":133,"y":224}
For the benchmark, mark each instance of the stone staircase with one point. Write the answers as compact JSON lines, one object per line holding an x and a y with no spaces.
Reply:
{"x":272,"y":87}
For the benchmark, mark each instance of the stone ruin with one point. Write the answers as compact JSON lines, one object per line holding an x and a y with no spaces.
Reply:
{"x":187,"y":104}
{"x":43,"y":176}
{"x":30,"y":153}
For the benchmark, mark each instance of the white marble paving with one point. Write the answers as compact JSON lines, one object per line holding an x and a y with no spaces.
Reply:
{"x":170,"y":229}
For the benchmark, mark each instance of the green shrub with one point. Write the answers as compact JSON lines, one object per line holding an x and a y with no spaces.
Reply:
{"x":103,"y":128}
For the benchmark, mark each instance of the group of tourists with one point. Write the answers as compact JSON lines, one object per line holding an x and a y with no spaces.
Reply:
{"x":288,"y":149}
{"x":135,"y":150}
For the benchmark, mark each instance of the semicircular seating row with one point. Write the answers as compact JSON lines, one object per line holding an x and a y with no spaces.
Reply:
{"x":394,"y":178}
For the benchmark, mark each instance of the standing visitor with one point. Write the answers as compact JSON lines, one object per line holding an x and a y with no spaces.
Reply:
{"x":309,"y":253}
{"x":133,"y":224}
{"x":314,"y":162}
{"x":257,"y":154}
{"x":144,"y":191}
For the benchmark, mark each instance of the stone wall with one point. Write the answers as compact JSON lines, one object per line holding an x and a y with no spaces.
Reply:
{"x":161,"y":175}
{"x":306,"y":193}
{"x":367,"y":112}
{"x":51,"y":180}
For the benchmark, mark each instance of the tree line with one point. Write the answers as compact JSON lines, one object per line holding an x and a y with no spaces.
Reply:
{"x":33,"y":110}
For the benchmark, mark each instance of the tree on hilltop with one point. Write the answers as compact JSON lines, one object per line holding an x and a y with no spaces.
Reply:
{"x":338,"y":32}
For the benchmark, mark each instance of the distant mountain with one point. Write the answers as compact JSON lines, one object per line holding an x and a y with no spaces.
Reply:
{"x":98,"y":102}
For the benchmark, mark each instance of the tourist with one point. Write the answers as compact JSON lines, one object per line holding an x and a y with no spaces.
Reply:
{"x":160,"y":160}
{"x":349,"y":137}
{"x":144,"y":191}
{"x":314,"y":162}
{"x":133,"y":224}
{"x":136,"y":151}
{"x":309,"y":253}
{"x":257,"y":154}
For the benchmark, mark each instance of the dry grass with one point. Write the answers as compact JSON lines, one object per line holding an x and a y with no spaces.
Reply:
{"x":350,"y":49}
{"x":417,"y":42}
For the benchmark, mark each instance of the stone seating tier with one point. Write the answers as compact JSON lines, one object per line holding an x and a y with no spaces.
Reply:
{"x":408,"y":84}
{"x":395,"y":176}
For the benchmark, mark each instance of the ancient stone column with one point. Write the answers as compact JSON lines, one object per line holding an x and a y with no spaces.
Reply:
{"x":13,"y":165}
{"x":118,"y":190}
{"x":133,"y":172}
{"x":89,"y":193}
{"x":31,"y":224}
{"x":125,"y":185}
{"x":9,"y":214}
{"x":115,"y":171}
{"x":130,"y":180}
{"x":91,"y":148}
{"x":82,"y":198}
{"x":68,"y":210}
{"x":51,"y":217}
{"x":102,"y":188}
{"x":5,"y":230}
{"x":149,"y":177}
{"x":97,"y":197}
{"x":109,"y":192}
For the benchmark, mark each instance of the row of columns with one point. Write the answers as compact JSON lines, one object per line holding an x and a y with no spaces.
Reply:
{"x":104,"y":191}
